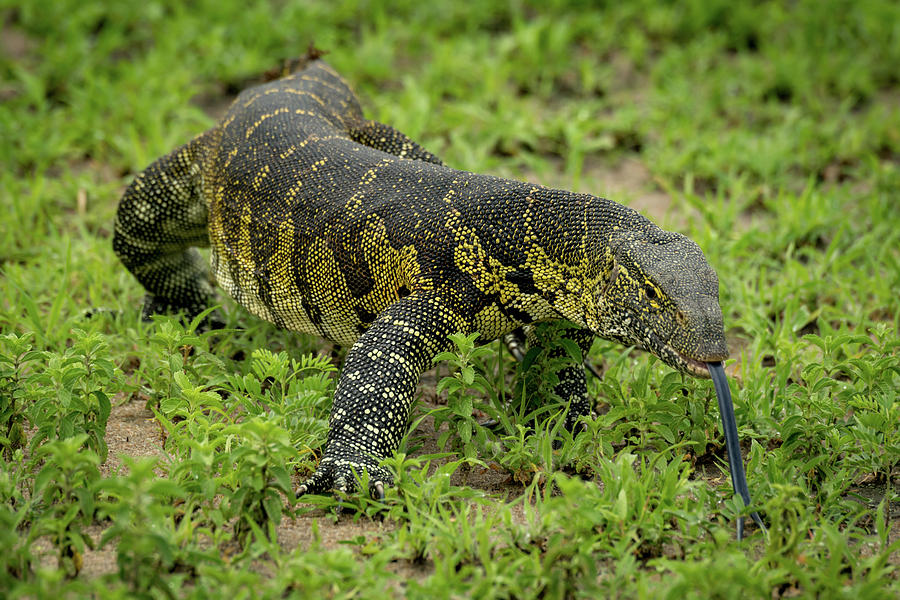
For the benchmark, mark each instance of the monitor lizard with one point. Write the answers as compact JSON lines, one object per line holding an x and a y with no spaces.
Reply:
{"x":322,"y":221}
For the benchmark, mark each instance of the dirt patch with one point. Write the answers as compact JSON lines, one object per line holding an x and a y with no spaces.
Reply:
{"x":14,"y":43}
{"x":95,"y":562}
{"x":332,"y":532}
{"x":131,"y":431}
{"x":17,"y":47}
{"x":630,"y":183}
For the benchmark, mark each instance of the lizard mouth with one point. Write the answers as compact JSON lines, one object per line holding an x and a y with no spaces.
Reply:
{"x":689,"y":364}
{"x":681,"y":361}
{"x":693,"y":366}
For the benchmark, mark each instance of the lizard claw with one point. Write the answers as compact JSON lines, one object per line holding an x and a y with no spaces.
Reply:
{"x":378,"y":488}
{"x":341,"y":475}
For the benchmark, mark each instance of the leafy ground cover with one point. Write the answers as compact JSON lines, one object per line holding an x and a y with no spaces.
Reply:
{"x":151,"y":460}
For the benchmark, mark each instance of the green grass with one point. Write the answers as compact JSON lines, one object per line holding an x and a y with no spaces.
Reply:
{"x":773,"y":130}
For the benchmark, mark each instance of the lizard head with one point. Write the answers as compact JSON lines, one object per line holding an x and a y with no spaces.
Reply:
{"x":662,"y":296}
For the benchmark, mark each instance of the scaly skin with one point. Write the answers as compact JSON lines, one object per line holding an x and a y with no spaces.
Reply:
{"x":323,"y":222}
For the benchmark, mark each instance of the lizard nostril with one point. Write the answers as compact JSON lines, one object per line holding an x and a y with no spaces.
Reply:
{"x":681,"y":318}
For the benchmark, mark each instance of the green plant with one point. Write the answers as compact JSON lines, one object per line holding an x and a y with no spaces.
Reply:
{"x":158,"y":543}
{"x":466,"y":383}
{"x":177,"y":346}
{"x":15,"y":356}
{"x":255,"y":475}
{"x":64,"y":498}
{"x":72,"y":393}
{"x":295,"y":394}
{"x":16,"y":558}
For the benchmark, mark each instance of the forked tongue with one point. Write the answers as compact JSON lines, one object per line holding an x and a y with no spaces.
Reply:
{"x":732,"y":444}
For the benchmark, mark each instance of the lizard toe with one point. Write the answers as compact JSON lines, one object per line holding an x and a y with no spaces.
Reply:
{"x":343,"y":475}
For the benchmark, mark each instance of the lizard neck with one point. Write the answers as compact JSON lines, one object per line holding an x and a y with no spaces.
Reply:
{"x":577,"y":233}
{"x":559,"y":242}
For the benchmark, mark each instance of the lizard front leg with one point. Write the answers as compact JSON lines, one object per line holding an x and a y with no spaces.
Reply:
{"x":572,"y":386}
{"x":377,"y":387}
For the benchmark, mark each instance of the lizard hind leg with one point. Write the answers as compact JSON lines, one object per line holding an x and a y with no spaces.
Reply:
{"x":160,"y":221}
{"x":387,"y":139}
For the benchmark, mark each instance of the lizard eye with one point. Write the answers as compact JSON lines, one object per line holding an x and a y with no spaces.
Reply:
{"x":651,"y":292}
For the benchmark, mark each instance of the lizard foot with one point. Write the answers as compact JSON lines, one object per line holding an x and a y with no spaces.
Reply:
{"x":342,"y":474}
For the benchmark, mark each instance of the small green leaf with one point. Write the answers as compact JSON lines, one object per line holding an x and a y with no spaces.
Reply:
{"x":442,"y":356}
{"x":572,"y":349}
{"x":105,"y":406}
{"x":181,"y":380}
{"x":273,"y":507}
{"x":468,"y":374}
{"x":621,"y":506}
{"x":464,"y":428}
{"x":530,"y":357}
